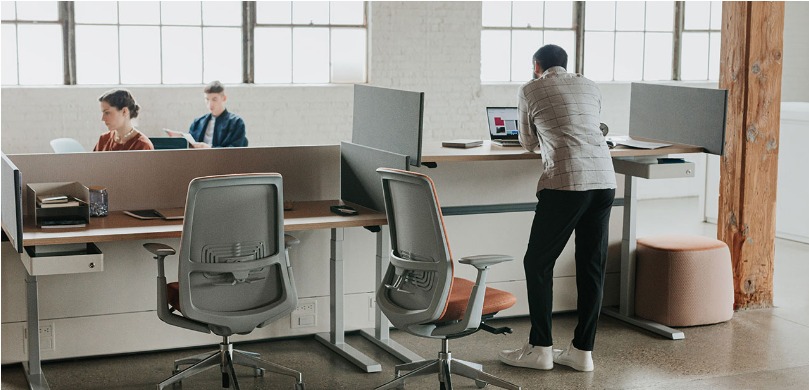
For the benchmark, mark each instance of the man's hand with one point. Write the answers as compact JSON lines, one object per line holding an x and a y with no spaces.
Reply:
{"x":200,"y":145}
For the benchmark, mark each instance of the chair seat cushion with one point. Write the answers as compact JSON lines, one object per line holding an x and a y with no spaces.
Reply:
{"x":494,"y":301}
{"x":173,"y":295}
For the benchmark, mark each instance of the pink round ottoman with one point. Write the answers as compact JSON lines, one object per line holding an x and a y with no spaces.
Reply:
{"x":683,"y":280}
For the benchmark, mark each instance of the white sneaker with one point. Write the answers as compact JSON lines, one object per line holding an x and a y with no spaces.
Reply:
{"x":574,"y":358}
{"x":529,"y":356}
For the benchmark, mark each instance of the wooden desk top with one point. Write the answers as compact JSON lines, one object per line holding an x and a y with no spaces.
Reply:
{"x":434,"y":152}
{"x":118,"y":226}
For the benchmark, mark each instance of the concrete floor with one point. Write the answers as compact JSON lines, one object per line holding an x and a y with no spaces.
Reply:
{"x":757,"y":349}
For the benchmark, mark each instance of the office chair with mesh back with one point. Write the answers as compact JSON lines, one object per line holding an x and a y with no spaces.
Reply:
{"x":419,"y":293}
{"x":66,"y":145}
{"x":234,"y":272}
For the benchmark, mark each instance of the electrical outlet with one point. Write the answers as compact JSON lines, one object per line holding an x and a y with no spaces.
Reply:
{"x":47,"y":337}
{"x":305,"y":315}
{"x":371,"y":308}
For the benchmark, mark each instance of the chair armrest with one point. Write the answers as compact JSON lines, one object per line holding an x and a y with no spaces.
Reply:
{"x":290,"y":241}
{"x":474,"y":308}
{"x":159,"y":249}
{"x":483,"y":261}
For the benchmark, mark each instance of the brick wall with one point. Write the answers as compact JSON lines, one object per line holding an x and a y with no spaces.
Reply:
{"x":432,"y":47}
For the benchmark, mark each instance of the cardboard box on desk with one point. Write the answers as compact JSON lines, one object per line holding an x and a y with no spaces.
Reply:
{"x":68,"y":216}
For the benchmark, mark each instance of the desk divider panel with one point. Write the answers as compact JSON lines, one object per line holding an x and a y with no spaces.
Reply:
{"x":12,"y":202}
{"x":159,"y":179}
{"x":683,"y":115}
{"x":389,"y":119}
{"x":360,"y":183}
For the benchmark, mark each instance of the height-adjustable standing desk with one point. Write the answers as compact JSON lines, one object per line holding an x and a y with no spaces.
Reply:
{"x":632,"y":163}
{"x":141,"y":191}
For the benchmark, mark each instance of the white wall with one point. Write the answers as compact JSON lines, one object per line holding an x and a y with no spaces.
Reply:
{"x":425,"y":46}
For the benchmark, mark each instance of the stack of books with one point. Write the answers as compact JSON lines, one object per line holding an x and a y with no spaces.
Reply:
{"x":462,"y":143}
{"x":55,"y":201}
{"x":63,"y":211}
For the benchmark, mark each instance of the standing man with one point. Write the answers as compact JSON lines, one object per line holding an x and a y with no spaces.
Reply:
{"x":219,"y":128}
{"x":559,"y":112}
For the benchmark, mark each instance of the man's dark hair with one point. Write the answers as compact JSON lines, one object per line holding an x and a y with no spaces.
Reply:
{"x":549,"y":56}
{"x":217,"y":87}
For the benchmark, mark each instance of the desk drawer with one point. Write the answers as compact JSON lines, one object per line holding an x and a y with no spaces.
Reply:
{"x":652,"y":169}
{"x":56,"y":259}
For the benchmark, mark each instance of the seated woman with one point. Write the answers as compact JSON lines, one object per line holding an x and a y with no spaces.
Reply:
{"x":118,"y":108}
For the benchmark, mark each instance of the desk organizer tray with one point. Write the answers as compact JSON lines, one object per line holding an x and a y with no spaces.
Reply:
{"x":77,"y":214}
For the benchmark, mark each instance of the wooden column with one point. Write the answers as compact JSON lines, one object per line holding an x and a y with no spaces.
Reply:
{"x":750,"y":69}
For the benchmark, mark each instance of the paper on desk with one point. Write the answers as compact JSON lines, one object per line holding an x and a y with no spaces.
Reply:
{"x":187,"y":136}
{"x":633,"y":143}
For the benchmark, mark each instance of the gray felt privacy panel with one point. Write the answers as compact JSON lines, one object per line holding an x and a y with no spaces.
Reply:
{"x":684,"y":115}
{"x":388,"y":119}
{"x":359,"y":182}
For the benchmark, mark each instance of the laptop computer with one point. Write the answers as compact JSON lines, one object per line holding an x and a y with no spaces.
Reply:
{"x":169,"y":143}
{"x":503,"y":125}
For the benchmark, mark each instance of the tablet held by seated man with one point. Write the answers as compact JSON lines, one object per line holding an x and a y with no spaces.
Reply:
{"x":219,"y":128}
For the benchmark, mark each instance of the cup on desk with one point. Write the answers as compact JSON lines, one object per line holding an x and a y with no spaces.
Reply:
{"x":99,"y":203}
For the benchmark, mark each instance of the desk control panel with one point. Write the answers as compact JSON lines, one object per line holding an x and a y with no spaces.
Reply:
{"x":653,"y":167}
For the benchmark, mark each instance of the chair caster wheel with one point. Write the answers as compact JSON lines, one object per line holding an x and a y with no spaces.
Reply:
{"x":258,"y":372}
{"x":480,"y":384}
{"x":299,"y":386}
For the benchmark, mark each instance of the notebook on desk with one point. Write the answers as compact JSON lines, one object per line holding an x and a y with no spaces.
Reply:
{"x":503,"y":125}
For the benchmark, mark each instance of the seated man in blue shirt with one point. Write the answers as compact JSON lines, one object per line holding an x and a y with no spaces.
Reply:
{"x":220,"y":128}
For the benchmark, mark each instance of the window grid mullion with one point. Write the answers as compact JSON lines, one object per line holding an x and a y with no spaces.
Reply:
{"x":160,"y":36}
{"x":17,"y":43}
{"x":615,"y":39}
{"x":202,"y":43}
{"x":511,"y":40}
{"x":118,"y":28}
{"x":580,"y":14}
{"x":645,"y":32}
{"x":677,"y":39}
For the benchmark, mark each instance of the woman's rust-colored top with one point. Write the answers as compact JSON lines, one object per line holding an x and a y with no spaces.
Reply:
{"x":139,"y":141}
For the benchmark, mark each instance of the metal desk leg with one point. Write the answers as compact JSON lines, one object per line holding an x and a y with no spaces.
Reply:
{"x":626,"y":310}
{"x":380,"y":335}
{"x":335,"y":339}
{"x":33,"y":368}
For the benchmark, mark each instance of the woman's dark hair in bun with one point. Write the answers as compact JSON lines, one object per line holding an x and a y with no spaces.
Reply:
{"x":120,"y":98}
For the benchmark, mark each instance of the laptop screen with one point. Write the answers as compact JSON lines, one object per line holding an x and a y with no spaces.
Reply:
{"x":503,"y":122}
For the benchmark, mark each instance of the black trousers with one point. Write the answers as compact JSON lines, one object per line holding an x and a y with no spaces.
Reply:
{"x":558,"y":215}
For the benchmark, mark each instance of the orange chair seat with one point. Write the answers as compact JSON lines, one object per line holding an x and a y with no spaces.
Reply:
{"x":494,"y":300}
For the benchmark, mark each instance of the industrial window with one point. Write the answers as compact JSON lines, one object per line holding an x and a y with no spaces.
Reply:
{"x":183,"y":42}
{"x":513,"y":31}
{"x":701,"y":40}
{"x":158,"y":42}
{"x":310,"y":42}
{"x":32,"y":43}
{"x":607,"y":41}
{"x":628,"y":41}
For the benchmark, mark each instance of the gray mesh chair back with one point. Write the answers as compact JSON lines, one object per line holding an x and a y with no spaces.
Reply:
{"x":233,"y":271}
{"x":418,"y":281}
{"x":419,"y":293}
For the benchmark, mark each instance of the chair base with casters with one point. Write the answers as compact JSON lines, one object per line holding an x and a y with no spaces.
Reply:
{"x":225,"y":358}
{"x":445,"y":366}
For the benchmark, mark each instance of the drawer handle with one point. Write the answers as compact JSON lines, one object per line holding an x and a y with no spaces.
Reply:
{"x":92,"y":265}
